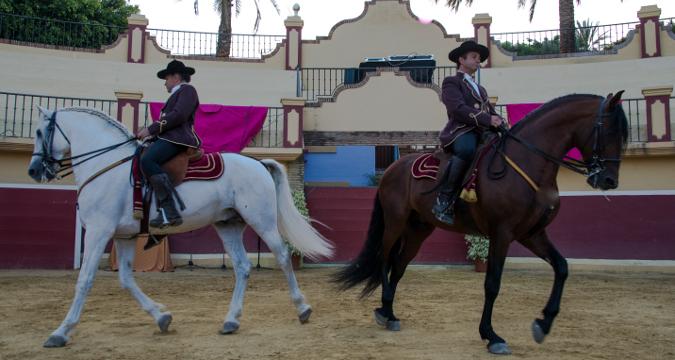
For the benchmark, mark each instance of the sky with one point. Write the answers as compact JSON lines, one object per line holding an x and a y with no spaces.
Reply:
{"x":319,"y":16}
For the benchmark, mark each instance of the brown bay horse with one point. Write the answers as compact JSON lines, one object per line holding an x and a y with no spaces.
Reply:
{"x":507,"y":210}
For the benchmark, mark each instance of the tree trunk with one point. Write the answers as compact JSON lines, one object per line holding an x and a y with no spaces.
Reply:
{"x":566,"y":12}
{"x":225,"y":30}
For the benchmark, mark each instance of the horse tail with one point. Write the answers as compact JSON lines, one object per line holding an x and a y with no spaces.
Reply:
{"x":368,"y":264}
{"x":293,"y":226}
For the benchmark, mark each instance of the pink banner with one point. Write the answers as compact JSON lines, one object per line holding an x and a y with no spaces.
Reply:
{"x":518,"y":111}
{"x":223,"y":128}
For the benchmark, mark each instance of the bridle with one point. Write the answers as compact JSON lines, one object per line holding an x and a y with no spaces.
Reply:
{"x":48,"y":160}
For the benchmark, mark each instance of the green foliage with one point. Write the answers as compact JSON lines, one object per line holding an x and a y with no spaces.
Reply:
{"x":534,"y":47}
{"x":478,"y":246}
{"x":75,"y":23}
{"x":587,"y":36}
{"x":374,"y":178}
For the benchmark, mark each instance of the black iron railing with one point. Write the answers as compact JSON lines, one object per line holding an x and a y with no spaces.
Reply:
{"x":599,"y":39}
{"x":272,"y":133}
{"x":19,"y":112}
{"x":188,"y":43}
{"x":28,"y":29}
{"x":321,"y":83}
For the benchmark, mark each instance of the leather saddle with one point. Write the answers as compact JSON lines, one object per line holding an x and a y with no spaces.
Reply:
{"x":177,"y":167}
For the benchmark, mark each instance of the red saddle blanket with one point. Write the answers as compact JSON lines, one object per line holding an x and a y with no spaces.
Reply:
{"x":208,"y":167}
{"x":425,"y":167}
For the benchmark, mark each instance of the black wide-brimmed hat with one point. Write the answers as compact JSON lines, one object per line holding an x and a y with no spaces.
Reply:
{"x":175,"y":67}
{"x":467,"y":46}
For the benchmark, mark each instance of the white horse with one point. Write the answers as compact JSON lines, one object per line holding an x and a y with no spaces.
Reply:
{"x":249,"y":192}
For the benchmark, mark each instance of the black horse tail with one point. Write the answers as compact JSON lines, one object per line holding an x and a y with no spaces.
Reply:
{"x":368,"y":265}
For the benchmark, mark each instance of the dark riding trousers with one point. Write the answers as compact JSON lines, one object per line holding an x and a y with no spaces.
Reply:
{"x":157,"y":154}
{"x":465,"y":146}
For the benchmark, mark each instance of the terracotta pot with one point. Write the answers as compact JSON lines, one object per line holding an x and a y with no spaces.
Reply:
{"x":296,"y":261}
{"x":480,"y":265}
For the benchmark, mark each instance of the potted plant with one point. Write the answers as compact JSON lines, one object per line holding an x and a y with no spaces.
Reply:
{"x":477,"y":250}
{"x":301,"y":204}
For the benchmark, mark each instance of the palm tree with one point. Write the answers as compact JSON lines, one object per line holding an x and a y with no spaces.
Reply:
{"x":565,"y":13}
{"x":224,"y":7}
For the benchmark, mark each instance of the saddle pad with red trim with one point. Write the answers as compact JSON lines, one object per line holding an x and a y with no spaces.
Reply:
{"x":425,"y":167}
{"x":208,"y":167}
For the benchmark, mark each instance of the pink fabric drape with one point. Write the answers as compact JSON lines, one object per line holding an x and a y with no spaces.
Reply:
{"x":223,"y":128}
{"x":518,"y":111}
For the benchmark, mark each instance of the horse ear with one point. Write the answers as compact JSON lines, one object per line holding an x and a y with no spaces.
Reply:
{"x":46,"y":112}
{"x":614,"y":100}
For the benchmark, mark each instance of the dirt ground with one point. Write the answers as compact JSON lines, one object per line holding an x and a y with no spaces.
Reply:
{"x":608,"y":313}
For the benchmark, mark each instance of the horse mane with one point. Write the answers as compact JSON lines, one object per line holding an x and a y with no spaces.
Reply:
{"x":619,"y":123}
{"x":109,"y":120}
{"x":546,"y":107}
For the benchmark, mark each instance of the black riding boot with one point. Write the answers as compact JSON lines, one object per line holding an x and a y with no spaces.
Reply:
{"x":168,"y":214}
{"x":444,"y":207}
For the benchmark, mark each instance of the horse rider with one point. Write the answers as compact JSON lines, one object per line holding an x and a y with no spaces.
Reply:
{"x":173,"y":134}
{"x":470,"y":114}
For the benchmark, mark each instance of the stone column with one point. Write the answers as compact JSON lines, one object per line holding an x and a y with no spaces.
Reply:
{"x":650,"y":31}
{"x":657,"y":100}
{"x":481,"y":31}
{"x":294,"y":26}
{"x":136,"y":36}
{"x":128,"y":104}
{"x":293,"y":113}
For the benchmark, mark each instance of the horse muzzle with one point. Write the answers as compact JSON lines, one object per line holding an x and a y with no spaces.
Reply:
{"x":603,"y":181}
{"x":40,"y":173}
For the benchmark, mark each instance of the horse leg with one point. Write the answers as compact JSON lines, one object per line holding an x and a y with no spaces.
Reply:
{"x":126,"y":249}
{"x":231,"y":234}
{"x":94,"y":244}
{"x":385,"y":315}
{"x":411,"y":241}
{"x":541,"y":246}
{"x":496,"y":257}
{"x":274,"y":241}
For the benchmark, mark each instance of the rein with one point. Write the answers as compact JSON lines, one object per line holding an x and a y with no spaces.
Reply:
{"x":587,"y":169}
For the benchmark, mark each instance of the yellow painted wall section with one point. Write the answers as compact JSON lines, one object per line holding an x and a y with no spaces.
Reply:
{"x":524,"y":84}
{"x":49,"y":72}
{"x":386,"y":28}
{"x":15,"y":169}
{"x":635,"y":173}
{"x":386,"y":102}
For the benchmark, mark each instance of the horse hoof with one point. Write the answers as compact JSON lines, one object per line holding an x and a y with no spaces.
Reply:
{"x":164,"y":322}
{"x":499,"y":349}
{"x":380,"y":319}
{"x":391,"y":325}
{"x":229,"y":328}
{"x":55,"y":341}
{"x":304,"y":317}
{"x":537,"y":332}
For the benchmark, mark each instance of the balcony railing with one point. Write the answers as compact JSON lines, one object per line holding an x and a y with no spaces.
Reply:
{"x":321,"y":83}
{"x":598,"y":39}
{"x":192,"y":43}
{"x":28,"y":29}
{"x":272,"y":133}
{"x":19,"y":113}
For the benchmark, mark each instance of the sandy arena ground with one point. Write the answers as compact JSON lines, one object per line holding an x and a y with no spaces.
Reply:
{"x":608,"y":313}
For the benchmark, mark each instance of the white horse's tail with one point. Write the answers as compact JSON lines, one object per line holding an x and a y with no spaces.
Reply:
{"x":294,"y":227}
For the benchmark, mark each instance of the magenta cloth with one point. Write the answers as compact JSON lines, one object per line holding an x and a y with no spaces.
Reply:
{"x":223,"y":128}
{"x":518,"y":111}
